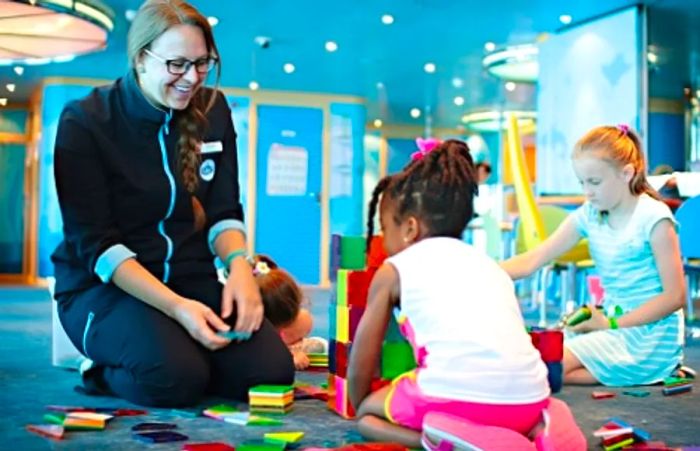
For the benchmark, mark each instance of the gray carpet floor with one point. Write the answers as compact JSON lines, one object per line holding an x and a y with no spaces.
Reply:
{"x":28,"y":383}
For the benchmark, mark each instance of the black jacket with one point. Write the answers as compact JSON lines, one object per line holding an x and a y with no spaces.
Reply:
{"x":115,"y":190}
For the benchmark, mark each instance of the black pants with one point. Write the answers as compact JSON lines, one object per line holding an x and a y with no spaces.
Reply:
{"x":149,"y":359}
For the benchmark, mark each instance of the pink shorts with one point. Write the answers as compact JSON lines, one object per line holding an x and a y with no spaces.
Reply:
{"x":406,"y":406}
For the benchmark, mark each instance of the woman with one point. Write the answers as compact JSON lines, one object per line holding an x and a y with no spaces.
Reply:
{"x":146,"y":174}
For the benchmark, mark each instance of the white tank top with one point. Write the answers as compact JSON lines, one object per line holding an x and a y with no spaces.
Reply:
{"x":468,"y":331}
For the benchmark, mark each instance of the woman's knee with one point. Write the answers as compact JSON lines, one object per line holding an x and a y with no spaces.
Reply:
{"x":172,"y":382}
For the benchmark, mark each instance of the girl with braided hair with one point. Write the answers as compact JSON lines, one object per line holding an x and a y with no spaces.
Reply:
{"x":453,"y":303}
{"x":147,"y":181}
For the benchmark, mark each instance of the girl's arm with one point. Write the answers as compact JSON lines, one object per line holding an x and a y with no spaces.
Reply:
{"x":564,"y":238}
{"x":369,"y":337}
{"x":667,"y":255}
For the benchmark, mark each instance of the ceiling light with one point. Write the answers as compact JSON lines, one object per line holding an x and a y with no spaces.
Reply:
{"x":331,"y":46}
{"x":378,"y":123}
{"x":415,"y":113}
{"x":10,"y":87}
{"x":493,"y":121}
{"x":387,"y":19}
{"x":253,"y":85}
{"x":380,"y":85}
{"x":459,"y":100}
{"x":429,"y":68}
{"x":289,"y":68}
{"x":19,"y":70}
{"x":213,"y":21}
{"x":46,"y":29}
{"x":130,"y":14}
{"x":457,"y":82}
{"x":565,"y":19}
{"x":516,"y":63}
{"x":3,"y":101}
{"x":652,"y":57}
{"x":489,"y":46}
{"x":510,"y":86}
{"x":64,"y":58}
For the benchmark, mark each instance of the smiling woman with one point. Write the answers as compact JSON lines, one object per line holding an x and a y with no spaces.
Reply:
{"x":143,"y":216}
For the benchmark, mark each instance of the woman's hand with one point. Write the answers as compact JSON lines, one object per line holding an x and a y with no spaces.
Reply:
{"x":598,"y":321}
{"x":242,"y":290}
{"x":201,"y":323}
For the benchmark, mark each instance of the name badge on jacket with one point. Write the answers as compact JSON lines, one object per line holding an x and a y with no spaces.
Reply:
{"x":211,"y":147}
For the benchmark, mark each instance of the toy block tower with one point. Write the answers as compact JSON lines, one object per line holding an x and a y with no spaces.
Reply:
{"x":352,"y":270}
{"x":550,"y":344}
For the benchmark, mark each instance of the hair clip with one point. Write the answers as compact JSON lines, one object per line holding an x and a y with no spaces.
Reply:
{"x":624,"y":128}
{"x":425,"y":146}
{"x":261,"y":268}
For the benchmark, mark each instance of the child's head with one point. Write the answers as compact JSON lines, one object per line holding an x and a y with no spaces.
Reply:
{"x":606,"y":160}
{"x":299,"y":328}
{"x":483,"y":172}
{"x":281,"y":295}
{"x":432,"y":196}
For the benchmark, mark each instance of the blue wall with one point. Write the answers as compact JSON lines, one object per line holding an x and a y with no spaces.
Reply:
{"x":666,"y":140}
{"x":54,"y":98}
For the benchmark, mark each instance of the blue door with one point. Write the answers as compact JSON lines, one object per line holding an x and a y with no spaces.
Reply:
{"x":288,"y":189}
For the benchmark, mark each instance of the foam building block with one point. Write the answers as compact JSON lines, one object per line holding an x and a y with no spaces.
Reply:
{"x":550,"y":344}
{"x":271,"y":399}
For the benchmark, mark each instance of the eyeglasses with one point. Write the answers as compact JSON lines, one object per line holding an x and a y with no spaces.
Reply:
{"x":180,"y":66}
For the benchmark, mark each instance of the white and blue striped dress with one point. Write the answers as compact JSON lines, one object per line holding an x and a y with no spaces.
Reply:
{"x":625,"y":262}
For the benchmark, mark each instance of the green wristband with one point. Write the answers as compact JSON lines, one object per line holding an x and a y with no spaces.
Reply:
{"x":613,"y":323}
{"x":230,"y":257}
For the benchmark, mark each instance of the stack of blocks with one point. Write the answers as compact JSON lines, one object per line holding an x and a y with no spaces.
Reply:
{"x":550,"y":344}
{"x":275,"y":399}
{"x":352,"y":271}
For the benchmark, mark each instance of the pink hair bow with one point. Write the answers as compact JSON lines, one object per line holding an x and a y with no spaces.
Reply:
{"x":425,"y":146}
{"x":624,"y":128}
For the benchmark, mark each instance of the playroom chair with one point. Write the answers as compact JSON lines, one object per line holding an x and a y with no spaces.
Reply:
{"x":688,"y":215}
{"x":536,"y":224}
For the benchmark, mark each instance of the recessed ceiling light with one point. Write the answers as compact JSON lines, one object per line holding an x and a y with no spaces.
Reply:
{"x":429,"y":68}
{"x":489,"y":46}
{"x":652,"y":57}
{"x":213,"y":21}
{"x":64,"y":58}
{"x":19,"y":70}
{"x":387,"y":19}
{"x":565,"y":19}
{"x":380,"y":85}
{"x":510,"y":86}
{"x":457,"y":82}
{"x":459,"y":100}
{"x":415,"y":113}
{"x":289,"y":68}
{"x":378,"y":123}
{"x":253,"y":85}
{"x":331,"y":46}
{"x":3,"y":101}
{"x":10,"y":87}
